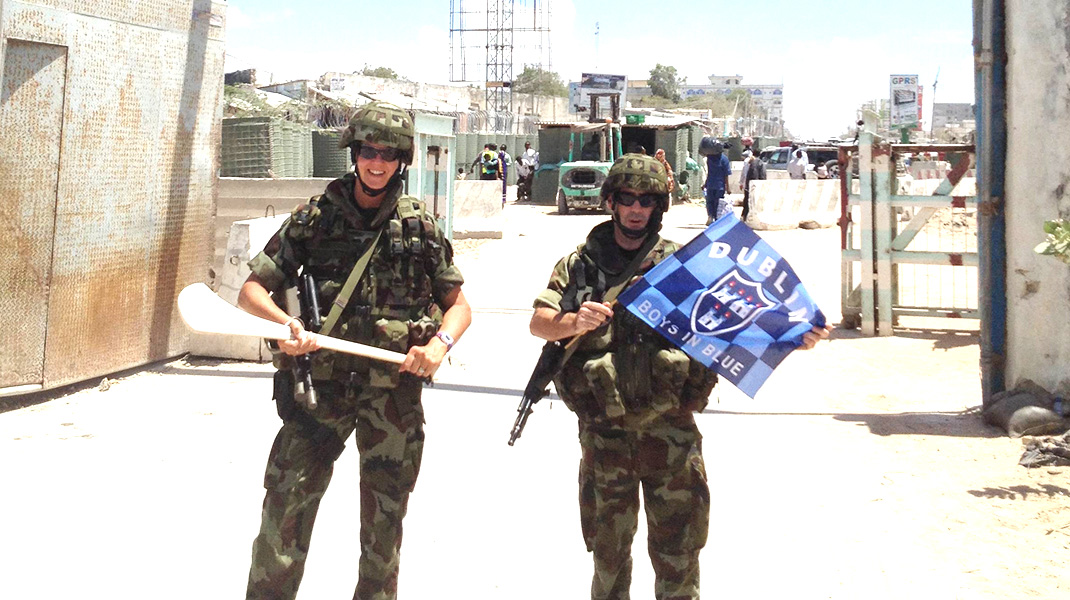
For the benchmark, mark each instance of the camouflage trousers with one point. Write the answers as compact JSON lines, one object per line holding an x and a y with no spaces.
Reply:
{"x":665,"y":459}
{"x":389,"y":431}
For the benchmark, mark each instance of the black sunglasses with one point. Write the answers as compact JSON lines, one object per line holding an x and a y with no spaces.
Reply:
{"x":645,"y":200}
{"x":387,"y":154}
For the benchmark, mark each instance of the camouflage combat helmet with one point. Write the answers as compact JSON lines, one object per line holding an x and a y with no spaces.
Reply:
{"x":639,"y":172}
{"x":381,"y":123}
{"x":646,"y":175}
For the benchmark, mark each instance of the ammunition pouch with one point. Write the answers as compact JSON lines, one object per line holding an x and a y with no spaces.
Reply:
{"x":393,"y":335}
{"x":601,"y":376}
{"x":698,"y":387}
{"x":399,"y":336}
{"x":328,"y":445}
{"x":642,"y":374}
{"x":633,"y":380}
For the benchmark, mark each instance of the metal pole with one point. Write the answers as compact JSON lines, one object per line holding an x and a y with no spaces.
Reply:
{"x":866,"y":140}
{"x":990,"y":90}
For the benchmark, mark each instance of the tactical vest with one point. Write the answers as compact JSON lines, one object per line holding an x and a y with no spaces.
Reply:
{"x":626,"y":371}
{"x":392,"y":306}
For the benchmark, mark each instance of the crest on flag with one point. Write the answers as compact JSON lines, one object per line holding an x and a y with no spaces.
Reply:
{"x":729,"y":305}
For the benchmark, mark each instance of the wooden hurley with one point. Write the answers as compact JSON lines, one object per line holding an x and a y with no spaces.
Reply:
{"x":205,"y":312}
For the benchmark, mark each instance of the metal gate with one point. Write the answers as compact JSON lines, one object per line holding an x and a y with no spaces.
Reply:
{"x":909,"y":247}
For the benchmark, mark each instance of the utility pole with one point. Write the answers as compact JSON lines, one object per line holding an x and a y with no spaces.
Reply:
{"x":596,"y":45}
{"x":932,"y":119}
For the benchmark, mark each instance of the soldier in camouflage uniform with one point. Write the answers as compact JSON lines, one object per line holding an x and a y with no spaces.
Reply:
{"x":634,"y":394}
{"x":409,"y":300}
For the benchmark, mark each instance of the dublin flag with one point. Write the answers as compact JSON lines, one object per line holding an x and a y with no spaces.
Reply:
{"x":728,"y":300}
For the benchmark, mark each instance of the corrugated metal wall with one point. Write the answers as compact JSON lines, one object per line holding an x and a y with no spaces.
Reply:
{"x":123,"y":101}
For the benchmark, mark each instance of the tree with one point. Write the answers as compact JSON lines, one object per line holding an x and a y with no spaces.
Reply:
{"x":381,"y":72}
{"x":742,"y":103}
{"x":663,"y":82}
{"x":540,"y":82}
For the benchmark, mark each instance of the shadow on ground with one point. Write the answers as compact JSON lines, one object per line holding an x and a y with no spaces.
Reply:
{"x":943,"y":339}
{"x":1022,"y":492}
{"x":966,"y":423}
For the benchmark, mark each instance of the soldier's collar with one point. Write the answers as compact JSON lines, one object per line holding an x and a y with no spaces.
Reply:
{"x":342,"y":192}
{"x":602,"y":248}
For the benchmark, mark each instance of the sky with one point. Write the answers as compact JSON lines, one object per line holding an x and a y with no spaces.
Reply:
{"x":831,"y":56}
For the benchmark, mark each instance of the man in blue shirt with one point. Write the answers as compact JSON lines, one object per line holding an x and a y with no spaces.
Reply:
{"x":718,"y":169}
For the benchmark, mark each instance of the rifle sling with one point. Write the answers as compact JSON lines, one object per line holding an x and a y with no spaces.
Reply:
{"x":342,"y":299}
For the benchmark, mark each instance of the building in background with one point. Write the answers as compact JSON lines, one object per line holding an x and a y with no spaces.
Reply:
{"x":952,"y":114}
{"x":768,"y":99}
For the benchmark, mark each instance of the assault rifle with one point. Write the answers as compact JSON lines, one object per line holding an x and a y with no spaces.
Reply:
{"x":556,"y":354}
{"x":550,"y":362}
{"x":308,"y":298}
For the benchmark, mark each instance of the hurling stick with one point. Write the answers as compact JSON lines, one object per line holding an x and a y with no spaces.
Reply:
{"x":205,"y":312}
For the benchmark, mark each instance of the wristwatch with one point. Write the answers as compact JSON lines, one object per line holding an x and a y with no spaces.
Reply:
{"x":446,"y":339}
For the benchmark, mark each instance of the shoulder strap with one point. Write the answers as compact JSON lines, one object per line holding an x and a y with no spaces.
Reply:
{"x":407,"y":207}
{"x":410,"y":207}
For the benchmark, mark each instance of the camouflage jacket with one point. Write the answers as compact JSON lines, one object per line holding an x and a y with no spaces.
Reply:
{"x":623,"y":371}
{"x":398,"y":302}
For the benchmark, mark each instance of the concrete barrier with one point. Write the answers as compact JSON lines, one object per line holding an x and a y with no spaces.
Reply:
{"x":785,"y":203}
{"x":241,"y":198}
{"x":477,"y":209}
{"x":246,"y":239}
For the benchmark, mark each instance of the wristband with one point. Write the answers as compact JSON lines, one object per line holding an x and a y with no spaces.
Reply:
{"x":446,"y":339}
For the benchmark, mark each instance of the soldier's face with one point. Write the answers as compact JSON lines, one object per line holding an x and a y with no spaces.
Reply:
{"x":634,"y":216}
{"x":376,"y":172}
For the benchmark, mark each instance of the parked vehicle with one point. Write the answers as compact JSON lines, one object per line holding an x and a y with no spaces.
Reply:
{"x":579,"y":185}
{"x":824,"y":160}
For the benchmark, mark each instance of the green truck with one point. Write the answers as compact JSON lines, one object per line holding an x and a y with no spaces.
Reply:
{"x":596,"y":145}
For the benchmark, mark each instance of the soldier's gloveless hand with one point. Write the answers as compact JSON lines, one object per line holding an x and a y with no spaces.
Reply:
{"x":423,"y":361}
{"x":592,"y":315}
{"x":815,"y":335}
{"x":300,"y":342}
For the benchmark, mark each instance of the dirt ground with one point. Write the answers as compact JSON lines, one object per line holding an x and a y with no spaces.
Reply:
{"x":862,"y":469}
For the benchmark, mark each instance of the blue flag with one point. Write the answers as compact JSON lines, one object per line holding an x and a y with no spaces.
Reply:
{"x":728,"y":300}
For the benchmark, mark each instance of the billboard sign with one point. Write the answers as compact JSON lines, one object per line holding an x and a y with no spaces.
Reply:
{"x":904,"y":101}
{"x":579,"y":94}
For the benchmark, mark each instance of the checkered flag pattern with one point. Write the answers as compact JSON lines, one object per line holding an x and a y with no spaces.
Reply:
{"x":728,"y":300}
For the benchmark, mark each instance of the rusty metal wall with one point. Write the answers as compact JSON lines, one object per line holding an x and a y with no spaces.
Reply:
{"x":134,"y":196}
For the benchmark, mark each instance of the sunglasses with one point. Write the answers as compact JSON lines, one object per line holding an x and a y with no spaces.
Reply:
{"x":387,"y":154}
{"x":645,"y":200}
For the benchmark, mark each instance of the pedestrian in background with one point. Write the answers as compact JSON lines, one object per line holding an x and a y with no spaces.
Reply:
{"x":503,"y":164}
{"x":487,"y":163}
{"x":718,"y":170}
{"x":753,"y":170}
{"x":797,"y":162}
{"x":526,"y":165}
{"x":660,"y":155}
